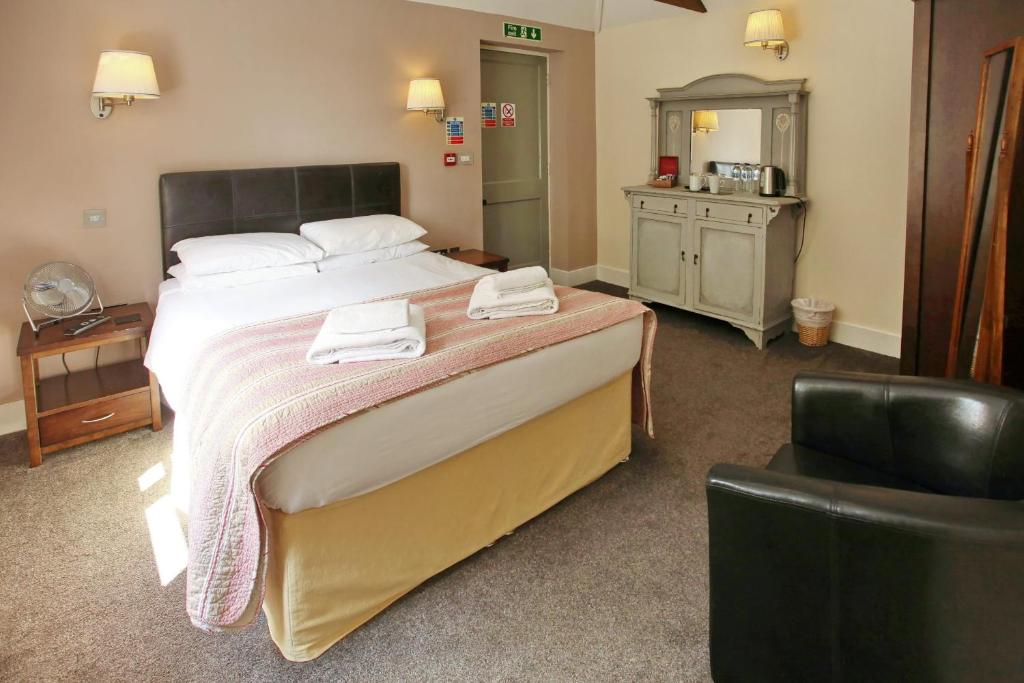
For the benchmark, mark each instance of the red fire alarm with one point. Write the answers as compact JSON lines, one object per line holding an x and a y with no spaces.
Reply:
{"x":450,"y":159}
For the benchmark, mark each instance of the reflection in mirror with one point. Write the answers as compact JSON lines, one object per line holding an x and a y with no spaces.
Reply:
{"x":983,"y":210}
{"x":982,"y":321}
{"x":737,"y":139}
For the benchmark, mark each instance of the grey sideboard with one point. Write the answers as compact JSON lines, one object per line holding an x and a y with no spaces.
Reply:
{"x":728,"y":256}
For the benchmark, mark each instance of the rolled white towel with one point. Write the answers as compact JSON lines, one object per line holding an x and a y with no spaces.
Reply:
{"x":518,"y":281}
{"x":330,"y":346}
{"x":488,"y":303}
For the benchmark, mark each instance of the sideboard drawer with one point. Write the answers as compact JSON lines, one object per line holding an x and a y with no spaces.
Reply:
{"x":660,"y":204}
{"x":89,"y":419}
{"x":734,"y":213}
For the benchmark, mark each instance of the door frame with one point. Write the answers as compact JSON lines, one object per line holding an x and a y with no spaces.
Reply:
{"x":547,"y":137}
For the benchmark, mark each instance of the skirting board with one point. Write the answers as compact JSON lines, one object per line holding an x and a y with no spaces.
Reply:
{"x":867,"y":338}
{"x":12,"y":417}
{"x":571,"y":278}
{"x":613,"y":276}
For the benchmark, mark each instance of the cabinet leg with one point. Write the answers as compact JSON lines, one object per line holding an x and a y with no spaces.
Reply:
{"x":28,"y":385}
{"x":756,"y":336}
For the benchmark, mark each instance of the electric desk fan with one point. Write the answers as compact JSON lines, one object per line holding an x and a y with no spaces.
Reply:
{"x":58,"y":290}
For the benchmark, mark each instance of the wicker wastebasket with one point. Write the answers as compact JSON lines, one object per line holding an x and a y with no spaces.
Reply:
{"x":813,"y":320}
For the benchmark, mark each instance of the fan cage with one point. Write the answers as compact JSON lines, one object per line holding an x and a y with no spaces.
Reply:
{"x":58,"y":290}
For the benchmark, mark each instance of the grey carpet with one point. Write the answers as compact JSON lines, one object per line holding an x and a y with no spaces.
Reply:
{"x":611,"y":584}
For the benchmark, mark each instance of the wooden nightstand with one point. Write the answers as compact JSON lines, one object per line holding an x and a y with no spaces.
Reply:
{"x":72,"y":409}
{"x":480,"y":258}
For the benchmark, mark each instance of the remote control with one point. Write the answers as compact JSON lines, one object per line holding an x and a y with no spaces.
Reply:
{"x":85,"y":325}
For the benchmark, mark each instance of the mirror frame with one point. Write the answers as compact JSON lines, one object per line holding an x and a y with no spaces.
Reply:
{"x":783,"y":145}
{"x":1006,"y":224}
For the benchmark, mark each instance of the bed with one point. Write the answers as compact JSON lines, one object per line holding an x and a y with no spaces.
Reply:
{"x":360,"y":513}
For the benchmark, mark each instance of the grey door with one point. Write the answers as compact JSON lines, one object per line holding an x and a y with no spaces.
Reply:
{"x":729,"y":274}
{"x":659,"y":251}
{"x":515,"y":159}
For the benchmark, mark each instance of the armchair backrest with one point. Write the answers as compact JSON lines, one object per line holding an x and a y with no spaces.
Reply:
{"x":950,"y":436}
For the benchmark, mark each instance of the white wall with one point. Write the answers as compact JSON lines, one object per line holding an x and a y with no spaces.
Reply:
{"x":856,"y":57}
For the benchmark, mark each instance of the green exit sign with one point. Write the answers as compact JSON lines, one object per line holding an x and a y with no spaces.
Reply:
{"x":522,"y":31}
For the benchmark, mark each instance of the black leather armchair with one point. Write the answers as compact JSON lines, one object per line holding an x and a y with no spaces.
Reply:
{"x":885,"y":543}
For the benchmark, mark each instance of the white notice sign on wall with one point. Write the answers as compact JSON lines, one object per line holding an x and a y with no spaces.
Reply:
{"x":508,"y":115}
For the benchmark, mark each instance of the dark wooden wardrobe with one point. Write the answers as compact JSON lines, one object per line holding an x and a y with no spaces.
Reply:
{"x":950,"y":37}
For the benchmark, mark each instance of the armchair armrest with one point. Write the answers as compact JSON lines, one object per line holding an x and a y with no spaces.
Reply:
{"x":951,"y":518}
{"x":819,"y":580}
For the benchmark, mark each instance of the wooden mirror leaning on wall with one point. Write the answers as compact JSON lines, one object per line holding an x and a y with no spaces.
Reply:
{"x":987,"y":340}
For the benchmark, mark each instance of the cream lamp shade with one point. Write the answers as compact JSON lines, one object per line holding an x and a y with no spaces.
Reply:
{"x":705,"y":121}
{"x":765,"y":30}
{"x":425,"y":96}
{"x":122,"y":76}
{"x":121,"y":73}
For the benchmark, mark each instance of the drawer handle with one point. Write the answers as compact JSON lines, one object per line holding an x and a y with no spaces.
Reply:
{"x":750,"y":217}
{"x":682,"y":255}
{"x":707,"y":212}
{"x":99,"y":419}
{"x":695,"y":257}
{"x":675,"y":208}
{"x":641,"y":203}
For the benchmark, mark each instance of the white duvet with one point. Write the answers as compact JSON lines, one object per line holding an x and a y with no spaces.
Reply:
{"x":400,"y":438}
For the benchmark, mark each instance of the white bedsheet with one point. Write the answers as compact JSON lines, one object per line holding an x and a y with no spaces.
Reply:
{"x":400,"y":438}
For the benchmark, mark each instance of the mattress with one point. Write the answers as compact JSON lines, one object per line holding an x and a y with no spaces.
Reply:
{"x":380,"y":446}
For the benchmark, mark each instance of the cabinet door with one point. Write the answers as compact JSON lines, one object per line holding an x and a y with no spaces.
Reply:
{"x":729,"y":273}
{"x":659,"y":249}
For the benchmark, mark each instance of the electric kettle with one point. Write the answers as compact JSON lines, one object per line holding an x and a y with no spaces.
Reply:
{"x":773,"y":181}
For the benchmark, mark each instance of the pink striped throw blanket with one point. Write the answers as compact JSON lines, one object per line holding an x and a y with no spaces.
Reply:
{"x":252,"y":396}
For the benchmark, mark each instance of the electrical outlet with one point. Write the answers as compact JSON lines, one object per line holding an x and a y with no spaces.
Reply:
{"x":94,"y":218}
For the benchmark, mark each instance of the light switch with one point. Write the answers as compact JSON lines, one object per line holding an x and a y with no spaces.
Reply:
{"x":465,"y":159}
{"x":94,"y":218}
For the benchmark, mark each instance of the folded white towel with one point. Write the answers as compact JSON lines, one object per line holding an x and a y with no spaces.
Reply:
{"x":487,"y":302}
{"x":384,"y":344}
{"x":519,"y":280}
{"x":371,"y":317}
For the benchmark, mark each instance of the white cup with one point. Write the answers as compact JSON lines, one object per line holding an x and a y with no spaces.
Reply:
{"x":715,"y":184}
{"x":696,"y":182}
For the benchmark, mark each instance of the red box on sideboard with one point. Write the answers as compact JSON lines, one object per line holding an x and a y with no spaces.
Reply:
{"x":667,"y":166}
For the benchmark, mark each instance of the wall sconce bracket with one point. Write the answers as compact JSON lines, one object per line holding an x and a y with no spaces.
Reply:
{"x":103,"y":107}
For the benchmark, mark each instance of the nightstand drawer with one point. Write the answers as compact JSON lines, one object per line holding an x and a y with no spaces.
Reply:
{"x":96,"y":417}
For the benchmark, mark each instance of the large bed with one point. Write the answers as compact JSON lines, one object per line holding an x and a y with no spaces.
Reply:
{"x":362,"y":512}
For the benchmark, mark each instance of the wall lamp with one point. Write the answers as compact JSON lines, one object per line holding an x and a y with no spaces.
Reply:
{"x":765,"y":30}
{"x":122,"y":77}
{"x":425,"y":96}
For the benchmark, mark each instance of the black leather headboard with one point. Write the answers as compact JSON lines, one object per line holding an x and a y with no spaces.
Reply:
{"x":202,"y":203}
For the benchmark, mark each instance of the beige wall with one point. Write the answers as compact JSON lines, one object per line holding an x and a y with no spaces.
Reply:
{"x":856,"y":57}
{"x":250,"y":83}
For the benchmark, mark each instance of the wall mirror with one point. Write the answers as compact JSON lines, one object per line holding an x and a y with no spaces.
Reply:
{"x":987,"y":340}
{"x":721,"y":138}
{"x":759,"y":122}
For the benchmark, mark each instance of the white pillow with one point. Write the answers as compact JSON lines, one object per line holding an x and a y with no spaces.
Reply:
{"x":372,"y":256}
{"x":363,"y":233}
{"x":245,"y":251}
{"x":191,"y":283}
